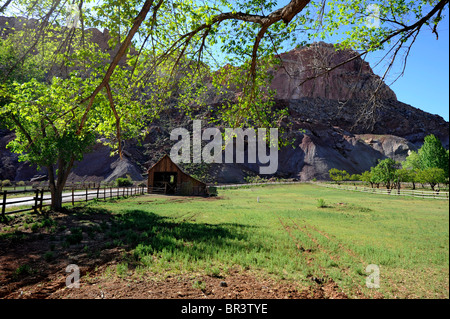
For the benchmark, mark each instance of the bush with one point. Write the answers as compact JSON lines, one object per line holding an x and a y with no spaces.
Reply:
{"x":212,"y":191}
{"x":75,"y":236}
{"x":123,"y":182}
{"x":338,"y":175}
{"x":321,"y":203}
{"x":6,"y":182}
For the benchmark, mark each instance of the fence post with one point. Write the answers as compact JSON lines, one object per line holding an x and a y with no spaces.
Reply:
{"x":86,"y":194}
{"x":104,"y":193}
{"x":73,"y":199}
{"x":98,"y":192}
{"x":41,"y":200}
{"x":4,"y":203}
{"x":36,"y":198}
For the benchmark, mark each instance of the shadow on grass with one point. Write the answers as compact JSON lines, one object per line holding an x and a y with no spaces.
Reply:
{"x":91,"y":237}
{"x":146,"y":233}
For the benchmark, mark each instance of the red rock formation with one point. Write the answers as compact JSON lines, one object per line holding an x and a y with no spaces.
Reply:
{"x":352,"y":80}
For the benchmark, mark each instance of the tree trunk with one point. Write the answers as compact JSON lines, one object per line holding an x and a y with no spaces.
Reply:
{"x":56,"y":194}
{"x":57,"y":186}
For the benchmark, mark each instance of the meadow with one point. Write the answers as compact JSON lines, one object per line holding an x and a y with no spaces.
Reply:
{"x":299,"y":233}
{"x":304,"y":235}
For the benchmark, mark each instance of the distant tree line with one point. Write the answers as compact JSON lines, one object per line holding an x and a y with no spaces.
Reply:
{"x":428,"y":166}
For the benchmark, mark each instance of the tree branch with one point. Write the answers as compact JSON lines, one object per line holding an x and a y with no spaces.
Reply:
{"x":122,"y":50}
{"x":117,"y":117}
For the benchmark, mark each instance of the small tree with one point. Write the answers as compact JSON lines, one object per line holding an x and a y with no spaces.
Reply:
{"x":405,"y":176}
{"x":366,"y":177}
{"x":433,"y":155}
{"x":412,"y":162}
{"x":385,"y":172}
{"x":432,"y":176}
{"x":338,"y":175}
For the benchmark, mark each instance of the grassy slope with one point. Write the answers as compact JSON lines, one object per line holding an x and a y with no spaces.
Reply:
{"x":286,"y":235}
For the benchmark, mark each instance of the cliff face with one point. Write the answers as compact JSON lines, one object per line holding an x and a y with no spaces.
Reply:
{"x":328,"y":128}
{"x":310,"y":72}
{"x":342,"y":96}
{"x":332,"y":110}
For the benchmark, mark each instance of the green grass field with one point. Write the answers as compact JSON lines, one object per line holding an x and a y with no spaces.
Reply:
{"x":286,"y":235}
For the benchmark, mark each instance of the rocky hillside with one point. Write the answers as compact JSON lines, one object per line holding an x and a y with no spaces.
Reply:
{"x":346,"y":119}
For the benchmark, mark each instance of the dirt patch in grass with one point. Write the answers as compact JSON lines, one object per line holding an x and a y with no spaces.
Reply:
{"x":239,"y":284}
{"x":35,"y":251}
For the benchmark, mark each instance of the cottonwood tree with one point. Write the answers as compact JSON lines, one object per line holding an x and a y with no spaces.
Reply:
{"x":433,"y":155}
{"x":46,"y":118}
{"x":179,"y":45}
{"x":366,"y":177}
{"x":432,"y":176}
{"x":385,"y":172}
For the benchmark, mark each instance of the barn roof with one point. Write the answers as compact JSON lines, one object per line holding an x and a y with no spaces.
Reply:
{"x":176,"y":165}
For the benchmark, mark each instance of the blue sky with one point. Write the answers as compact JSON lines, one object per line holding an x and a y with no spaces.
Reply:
{"x":425,"y":83}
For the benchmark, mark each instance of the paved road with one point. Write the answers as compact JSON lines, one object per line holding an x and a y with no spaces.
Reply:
{"x":78,"y":196}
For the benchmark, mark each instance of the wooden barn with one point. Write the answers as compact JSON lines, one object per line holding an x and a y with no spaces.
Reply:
{"x":165,"y":177}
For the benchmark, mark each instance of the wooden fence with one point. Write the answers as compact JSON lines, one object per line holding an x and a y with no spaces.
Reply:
{"x":393,"y":192}
{"x":40,"y":199}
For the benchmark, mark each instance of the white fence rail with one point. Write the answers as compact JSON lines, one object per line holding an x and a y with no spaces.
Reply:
{"x":255,"y":184}
{"x":392,"y":192}
{"x":359,"y":188}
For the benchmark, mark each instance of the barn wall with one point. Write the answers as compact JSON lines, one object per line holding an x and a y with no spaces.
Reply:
{"x":185,"y":183}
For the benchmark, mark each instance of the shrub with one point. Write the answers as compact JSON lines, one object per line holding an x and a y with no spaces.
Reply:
{"x":75,"y":236}
{"x":123,"y":182}
{"x":6,"y":182}
{"x":255,"y":179}
{"x":338,"y":175}
{"x":321,"y":203}
{"x":23,"y":271}
{"x":49,"y":255}
{"x":212,"y":191}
